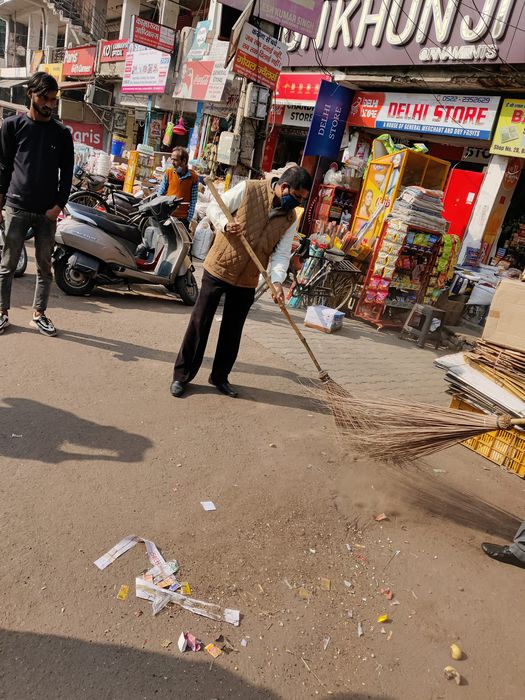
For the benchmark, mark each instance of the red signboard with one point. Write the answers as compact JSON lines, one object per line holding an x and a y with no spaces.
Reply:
{"x":153,"y":35}
{"x":297,"y":88}
{"x":113,"y":51}
{"x":80,"y":62}
{"x":88,"y":134}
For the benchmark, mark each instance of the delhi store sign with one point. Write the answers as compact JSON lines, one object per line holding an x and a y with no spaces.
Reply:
{"x":153,"y":35}
{"x":87,"y":134}
{"x":80,"y":62}
{"x":466,"y":116}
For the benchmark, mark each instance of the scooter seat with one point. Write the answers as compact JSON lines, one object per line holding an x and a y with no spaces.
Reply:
{"x":107,"y":222}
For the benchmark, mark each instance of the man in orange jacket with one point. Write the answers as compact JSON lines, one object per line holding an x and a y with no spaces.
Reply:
{"x":180,"y":181}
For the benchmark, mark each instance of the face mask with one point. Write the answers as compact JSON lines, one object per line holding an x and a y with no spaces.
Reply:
{"x":180,"y":170}
{"x":288,"y":202}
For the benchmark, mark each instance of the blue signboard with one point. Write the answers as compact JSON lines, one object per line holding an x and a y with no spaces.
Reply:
{"x":329,"y":120}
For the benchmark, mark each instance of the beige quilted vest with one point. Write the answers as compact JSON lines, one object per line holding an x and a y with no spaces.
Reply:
{"x":227,"y":258}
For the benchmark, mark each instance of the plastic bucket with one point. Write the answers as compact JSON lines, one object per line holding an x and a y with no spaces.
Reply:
{"x":117,"y":147}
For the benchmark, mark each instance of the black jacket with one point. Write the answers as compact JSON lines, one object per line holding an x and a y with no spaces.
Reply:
{"x":36,"y":163}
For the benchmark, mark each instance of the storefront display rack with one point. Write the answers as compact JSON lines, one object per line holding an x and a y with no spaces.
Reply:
{"x":332,"y":201}
{"x":398,"y":274}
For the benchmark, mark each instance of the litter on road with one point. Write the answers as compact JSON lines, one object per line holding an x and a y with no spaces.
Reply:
{"x":147,"y":589}
{"x":123,"y":592}
{"x":456,"y":652}
{"x":452,"y":674}
{"x":188,"y":641}
{"x":213,"y":650}
{"x":208,"y":505}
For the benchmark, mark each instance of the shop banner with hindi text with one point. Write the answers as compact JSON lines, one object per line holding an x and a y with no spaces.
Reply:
{"x":259,"y":57}
{"x":463,"y":116}
{"x":145,"y":70}
{"x":301,"y":16}
{"x":329,"y":120}
{"x":509,"y":137}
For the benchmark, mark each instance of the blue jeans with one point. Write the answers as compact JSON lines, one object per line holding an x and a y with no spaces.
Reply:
{"x":17,"y":224}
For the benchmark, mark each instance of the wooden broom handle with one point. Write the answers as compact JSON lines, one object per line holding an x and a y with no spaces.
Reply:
{"x":323,"y":375}
{"x":517,"y":421}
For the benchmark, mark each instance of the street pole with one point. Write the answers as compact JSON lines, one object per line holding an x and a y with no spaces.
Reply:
{"x":237,"y":129}
{"x":147,"y":121}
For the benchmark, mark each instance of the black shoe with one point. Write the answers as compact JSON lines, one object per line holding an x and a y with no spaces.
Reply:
{"x":225,"y":388}
{"x":502,"y":553}
{"x":43,"y":324}
{"x":177,"y":389}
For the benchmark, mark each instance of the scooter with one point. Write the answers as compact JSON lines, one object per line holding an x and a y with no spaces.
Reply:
{"x":94,"y":247}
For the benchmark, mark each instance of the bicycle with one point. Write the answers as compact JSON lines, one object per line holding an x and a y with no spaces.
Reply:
{"x":332,"y":285}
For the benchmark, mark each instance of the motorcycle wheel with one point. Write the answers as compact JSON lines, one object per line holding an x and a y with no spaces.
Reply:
{"x":22,"y":263}
{"x":90,"y":199}
{"x":72,"y":282}
{"x":187,"y":289}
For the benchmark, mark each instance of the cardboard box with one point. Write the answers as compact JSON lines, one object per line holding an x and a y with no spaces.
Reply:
{"x":323,"y":318}
{"x":505,"y":323}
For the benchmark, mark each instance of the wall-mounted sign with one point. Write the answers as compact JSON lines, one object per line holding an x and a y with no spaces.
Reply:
{"x":153,"y":35}
{"x":466,"y":116}
{"x":298,"y":88}
{"x":288,"y":115}
{"x":145,"y":70}
{"x":299,"y":15}
{"x":80,"y":62}
{"x":259,"y":57}
{"x":329,"y":120}
{"x":113,"y":51}
{"x":509,"y":137}
{"x":88,"y":134}
{"x":403,"y":32}
{"x":54,"y":69}
{"x":203,"y":76}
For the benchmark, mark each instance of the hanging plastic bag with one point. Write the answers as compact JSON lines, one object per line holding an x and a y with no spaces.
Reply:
{"x":168,"y":135}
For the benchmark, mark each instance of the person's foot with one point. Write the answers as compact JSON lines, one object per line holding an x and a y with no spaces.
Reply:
{"x":43,"y":324}
{"x":4,"y":322}
{"x":177,"y":389}
{"x":225,"y":388}
{"x":502,"y":553}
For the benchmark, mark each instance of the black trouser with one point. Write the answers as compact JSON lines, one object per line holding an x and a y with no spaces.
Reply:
{"x":237,"y":303}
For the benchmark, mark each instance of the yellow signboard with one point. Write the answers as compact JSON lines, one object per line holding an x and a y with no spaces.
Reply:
{"x":54,"y":69}
{"x":509,"y":138}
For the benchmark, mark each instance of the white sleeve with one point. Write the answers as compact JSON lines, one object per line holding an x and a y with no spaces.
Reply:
{"x":232,"y":198}
{"x":281,"y":255}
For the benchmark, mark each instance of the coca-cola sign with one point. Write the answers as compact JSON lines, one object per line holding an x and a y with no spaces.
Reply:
{"x":405,"y":32}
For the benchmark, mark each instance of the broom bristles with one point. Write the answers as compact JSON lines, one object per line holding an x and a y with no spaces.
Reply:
{"x":398,"y":431}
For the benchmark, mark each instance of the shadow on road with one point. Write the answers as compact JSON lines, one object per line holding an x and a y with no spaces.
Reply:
{"x":442,"y":500}
{"x":48,"y":666}
{"x":33,"y":430}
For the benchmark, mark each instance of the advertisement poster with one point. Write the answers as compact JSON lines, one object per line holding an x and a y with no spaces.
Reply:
{"x":259,"y":57}
{"x":509,"y":138}
{"x":300,"y":16}
{"x":80,"y":62}
{"x":113,"y":51}
{"x":145,"y":70}
{"x":466,"y":116}
{"x":203,"y":79}
{"x":153,"y":35}
{"x":329,"y":120}
{"x":54,"y":69}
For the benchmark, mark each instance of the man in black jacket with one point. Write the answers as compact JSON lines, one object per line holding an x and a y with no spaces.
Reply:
{"x":36,"y":170}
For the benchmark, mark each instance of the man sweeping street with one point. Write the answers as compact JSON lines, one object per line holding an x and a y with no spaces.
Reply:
{"x":36,"y":170}
{"x":264,"y":213}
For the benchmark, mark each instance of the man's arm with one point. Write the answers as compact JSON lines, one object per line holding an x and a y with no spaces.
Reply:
{"x":232,"y":198}
{"x":7,"y":159}
{"x":193,"y":199}
{"x":280,"y":261}
{"x":67,"y":163}
{"x":163,"y":187}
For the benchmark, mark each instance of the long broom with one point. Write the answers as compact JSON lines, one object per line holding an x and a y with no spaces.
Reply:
{"x":390,"y":430}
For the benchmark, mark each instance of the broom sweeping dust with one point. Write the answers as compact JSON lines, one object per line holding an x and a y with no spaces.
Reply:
{"x":386,"y":430}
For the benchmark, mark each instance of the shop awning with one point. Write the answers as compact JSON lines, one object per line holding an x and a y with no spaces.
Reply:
{"x":70,"y":85}
{"x":13,"y":106}
{"x":12,"y":82}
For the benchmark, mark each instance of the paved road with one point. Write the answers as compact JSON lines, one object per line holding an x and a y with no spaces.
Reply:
{"x":90,"y":448}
